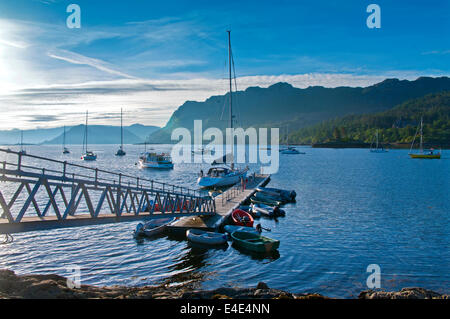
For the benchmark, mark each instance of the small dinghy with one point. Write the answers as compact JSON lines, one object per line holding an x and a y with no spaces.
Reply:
{"x":206,"y":238}
{"x":266,"y":197}
{"x":232,"y":228}
{"x":254,"y":242}
{"x":267,"y":211}
{"x":285,"y":194}
{"x":153,"y":227}
{"x":257,"y":200}
{"x":242,"y":218}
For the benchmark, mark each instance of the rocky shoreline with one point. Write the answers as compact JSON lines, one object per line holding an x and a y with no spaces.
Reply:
{"x":13,"y":286}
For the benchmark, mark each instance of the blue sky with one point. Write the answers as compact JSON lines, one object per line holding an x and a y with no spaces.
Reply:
{"x":151,"y":56}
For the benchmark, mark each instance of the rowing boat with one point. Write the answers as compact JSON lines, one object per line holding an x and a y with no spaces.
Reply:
{"x":206,"y":238}
{"x":254,"y":242}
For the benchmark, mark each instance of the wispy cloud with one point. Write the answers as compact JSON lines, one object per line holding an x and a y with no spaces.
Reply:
{"x":75,"y":58}
{"x":436,"y":52}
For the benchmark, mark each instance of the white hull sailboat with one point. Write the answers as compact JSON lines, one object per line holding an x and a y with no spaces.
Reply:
{"x":22,"y":150}
{"x":289,"y":149}
{"x":120,"y":151}
{"x":378,"y":147}
{"x":224,"y":176}
{"x":87,"y":155}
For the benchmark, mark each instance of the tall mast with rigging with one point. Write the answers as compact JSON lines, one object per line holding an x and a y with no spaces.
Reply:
{"x":121,"y":130}
{"x":231,"y":95}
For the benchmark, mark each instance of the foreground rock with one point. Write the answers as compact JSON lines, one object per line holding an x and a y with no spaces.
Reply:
{"x":405,"y":293}
{"x":55,"y":287}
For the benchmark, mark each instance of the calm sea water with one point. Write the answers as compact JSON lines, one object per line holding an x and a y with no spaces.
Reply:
{"x":354,"y":208}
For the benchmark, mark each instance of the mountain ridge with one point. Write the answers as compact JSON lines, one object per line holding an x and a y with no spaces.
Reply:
{"x":282,"y":104}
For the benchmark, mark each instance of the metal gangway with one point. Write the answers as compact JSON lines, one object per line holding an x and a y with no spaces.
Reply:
{"x":39,"y":193}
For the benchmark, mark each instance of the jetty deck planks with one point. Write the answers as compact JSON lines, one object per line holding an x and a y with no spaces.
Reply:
{"x":225,"y":204}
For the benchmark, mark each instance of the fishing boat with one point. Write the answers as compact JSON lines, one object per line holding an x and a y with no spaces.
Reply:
{"x":423,"y":153}
{"x":203,"y":237}
{"x":120,"y":151}
{"x":87,"y":155}
{"x":285,"y":194}
{"x":268,"y":211}
{"x":242,"y":218}
{"x":153,"y":227}
{"x":254,"y":242}
{"x":65,"y":149}
{"x":378,"y":146}
{"x":224,"y":176}
{"x":232,"y":228}
{"x":289,"y":149}
{"x":155,"y":160}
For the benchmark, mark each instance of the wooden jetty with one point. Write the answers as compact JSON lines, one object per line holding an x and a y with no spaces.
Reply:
{"x":225,"y":204}
{"x":46,"y":194}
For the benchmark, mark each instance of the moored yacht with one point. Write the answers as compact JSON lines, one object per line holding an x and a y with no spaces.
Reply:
{"x":87,"y":155}
{"x":120,"y":151}
{"x":224,"y":175}
{"x":221,"y":176}
{"x":378,"y":147}
{"x":423,"y":153}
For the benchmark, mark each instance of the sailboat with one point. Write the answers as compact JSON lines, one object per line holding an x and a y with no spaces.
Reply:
{"x":22,"y":150}
{"x":87,"y":155}
{"x":120,"y":151}
{"x":427,"y":154}
{"x":289,"y":149}
{"x":220,"y":176}
{"x":379,"y":147}
{"x":65,"y":149}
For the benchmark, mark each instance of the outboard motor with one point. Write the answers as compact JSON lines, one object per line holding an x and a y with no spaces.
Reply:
{"x":139,"y":229}
{"x":293,"y":194}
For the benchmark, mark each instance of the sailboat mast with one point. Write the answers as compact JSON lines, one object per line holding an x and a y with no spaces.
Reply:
{"x":86,"y":131}
{"x":377,"y":138}
{"x":121,"y":130}
{"x":21,"y":141}
{"x":231,"y":94}
{"x":287,"y":136}
{"x":64,"y":137}
{"x":421,"y":134}
{"x":229,"y":70}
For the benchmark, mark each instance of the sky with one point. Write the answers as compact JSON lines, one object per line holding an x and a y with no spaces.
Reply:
{"x":149,"y":57}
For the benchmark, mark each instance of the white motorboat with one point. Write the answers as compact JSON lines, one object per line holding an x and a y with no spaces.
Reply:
{"x":155,"y":160}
